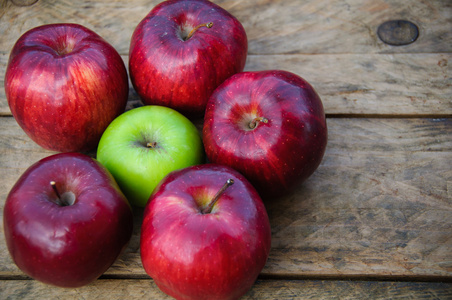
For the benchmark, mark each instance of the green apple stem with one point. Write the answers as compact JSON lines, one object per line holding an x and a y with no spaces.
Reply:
{"x":208,"y":209}
{"x":208,"y":25}
{"x":253,"y":124}
{"x":151,"y":145}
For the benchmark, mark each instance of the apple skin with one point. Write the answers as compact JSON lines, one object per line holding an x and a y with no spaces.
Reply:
{"x":64,"y":85}
{"x":274,"y":156}
{"x":166,"y":70}
{"x":66,"y":246}
{"x":195,"y":255}
{"x":138,"y":168}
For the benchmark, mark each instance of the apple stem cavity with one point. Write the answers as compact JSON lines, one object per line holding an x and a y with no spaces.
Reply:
{"x":208,"y":25}
{"x":65,"y":199}
{"x":65,"y":47}
{"x":208,"y":209}
{"x":253,"y":124}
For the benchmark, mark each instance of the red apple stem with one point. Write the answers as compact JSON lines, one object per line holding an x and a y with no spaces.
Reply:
{"x":208,"y":25}
{"x":53,"y":184}
{"x":253,"y":124}
{"x":66,"y":199}
{"x":208,"y":209}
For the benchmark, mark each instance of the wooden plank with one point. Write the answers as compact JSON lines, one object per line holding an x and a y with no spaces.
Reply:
{"x":372,"y":84}
{"x":381,"y":203}
{"x":262,"y":289}
{"x":324,"y":26}
{"x":272,"y":289}
{"x":358,"y":84}
{"x":273,"y":27}
{"x":378,"y":206}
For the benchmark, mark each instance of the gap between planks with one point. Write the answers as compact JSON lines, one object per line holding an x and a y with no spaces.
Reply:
{"x":351,"y":277}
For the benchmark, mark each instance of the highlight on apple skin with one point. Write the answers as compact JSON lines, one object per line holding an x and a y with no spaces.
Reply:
{"x":182,"y":50}
{"x":270,"y":126}
{"x":64,"y":85}
{"x":66,"y":221}
{"x":144,"y":144}
{"x":205,"y":234}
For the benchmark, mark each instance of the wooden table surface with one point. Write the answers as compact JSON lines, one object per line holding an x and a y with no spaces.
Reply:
{"x":375,"y":219}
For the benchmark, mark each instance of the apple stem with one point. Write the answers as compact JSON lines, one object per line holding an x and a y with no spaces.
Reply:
{"x":255,"y":121}
{"x":59,"y":201}
{"x":66,"y":199}
{"x":151,"y":145}
{"x":208,"y":25}
{"x":53,"y":184}
{"x":208,"y":209}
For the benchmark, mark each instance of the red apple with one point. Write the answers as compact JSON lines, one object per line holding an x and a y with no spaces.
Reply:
{"x":64,"y":85}
{"x":205,"y":234}
{"x":182,"y":50}
{"x":268,"y":125}
{"x":66,"y":220}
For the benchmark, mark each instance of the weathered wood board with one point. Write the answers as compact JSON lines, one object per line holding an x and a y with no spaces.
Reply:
{"x":380,"y":203}
{"x":358,"y":85}
{"x":361,"y":82}
{"x":263,"y":289}
{"x":375,"y":219}
{"x":273,"y":27}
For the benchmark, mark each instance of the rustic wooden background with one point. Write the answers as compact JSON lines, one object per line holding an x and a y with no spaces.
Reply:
{"x":375,"y":219}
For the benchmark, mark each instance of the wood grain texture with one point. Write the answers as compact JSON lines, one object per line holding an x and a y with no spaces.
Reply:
{"x":375,"y":220}
{"x":289,"y":27}
{"x":272,"y":26}
{"x":359,"y":84}
{"x":416,"y":81}
{"x":372,"y":84}
{"x":262,"y":289}
{"x":380,"y":204}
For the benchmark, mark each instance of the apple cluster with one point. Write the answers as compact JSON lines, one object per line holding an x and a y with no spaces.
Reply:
{"x":205,"y":231}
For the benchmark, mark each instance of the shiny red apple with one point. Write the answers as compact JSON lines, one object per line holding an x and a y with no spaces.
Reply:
{"x":182,"y":50}
{"x":205,"y":234}
{"x":64,"y":85}
{"x":268,"y":125}
{"x":66,"y":220}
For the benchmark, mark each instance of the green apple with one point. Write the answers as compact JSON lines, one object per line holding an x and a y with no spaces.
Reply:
{"x":143,"y":145}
